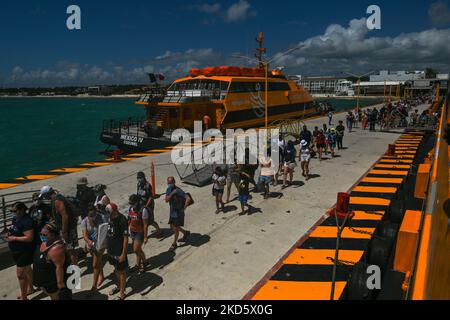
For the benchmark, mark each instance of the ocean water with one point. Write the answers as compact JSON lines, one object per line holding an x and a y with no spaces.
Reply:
{"x":41,"y":134}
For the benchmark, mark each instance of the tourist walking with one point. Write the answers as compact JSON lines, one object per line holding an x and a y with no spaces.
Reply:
{"x":219,"y":181}
{"x":85,"y":195}
{"x":332,"y":141}
{"x":138,"y":223}
{"x":306,"y":135}
{"x":289,"y":163}
{"x":267,"y":174}
{"x":90,"y":227}
{"x":233,"y":178}
{"x":320,"y":143}
{"x":350,"y":121}
{"x":65,"y":220}
{"x":305,"y":158}
{"x":364,"y":120}
{"x":340,"y":132}
{"x":178,"y":201}
{"x":330,"y":118}
{"x":50,"y":264}
{"x":117,"y":246}
{"x":145,"y":193}
{"x":244,"y":193}
{"x":21,"y":243}
{"x":101,"y":199}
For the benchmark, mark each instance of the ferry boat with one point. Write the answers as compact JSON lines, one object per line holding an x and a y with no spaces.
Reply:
{"x":228,"y":97}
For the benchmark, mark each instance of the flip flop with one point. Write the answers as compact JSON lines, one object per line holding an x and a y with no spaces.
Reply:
{"x":114,"y":291}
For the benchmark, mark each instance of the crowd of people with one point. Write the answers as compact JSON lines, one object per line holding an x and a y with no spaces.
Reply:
{"x":44,"y":237}
{"x":318,"y":143}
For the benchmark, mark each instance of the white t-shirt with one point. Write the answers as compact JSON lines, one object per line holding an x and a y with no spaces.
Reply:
{"x":219,"y":182}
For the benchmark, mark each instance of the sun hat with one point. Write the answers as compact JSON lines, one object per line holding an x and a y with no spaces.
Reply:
{"x":304,"y":143}
{"x":82,"y":181}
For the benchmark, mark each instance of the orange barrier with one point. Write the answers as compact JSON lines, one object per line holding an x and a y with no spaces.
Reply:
{"x":431,"y":278}
{"x":408,"y":238}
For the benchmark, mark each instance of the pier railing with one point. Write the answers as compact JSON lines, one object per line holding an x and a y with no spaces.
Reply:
{"x":6,"y":216}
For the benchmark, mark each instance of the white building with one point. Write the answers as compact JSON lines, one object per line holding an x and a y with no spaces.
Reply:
{"x":324,"y":85}
{"x":401,"y":76}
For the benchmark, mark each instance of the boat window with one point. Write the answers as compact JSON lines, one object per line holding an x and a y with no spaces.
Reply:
{"x":237,"y":87}
{"x":199,"y":84}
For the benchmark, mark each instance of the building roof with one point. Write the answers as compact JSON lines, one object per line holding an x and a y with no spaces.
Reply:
{"x":380,"y":83}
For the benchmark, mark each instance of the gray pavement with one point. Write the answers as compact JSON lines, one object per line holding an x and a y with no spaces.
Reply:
{"x":227,"y":254}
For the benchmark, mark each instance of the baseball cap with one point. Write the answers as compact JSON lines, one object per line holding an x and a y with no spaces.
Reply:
{"x":45,"y":191}
{"x":111,"y":207}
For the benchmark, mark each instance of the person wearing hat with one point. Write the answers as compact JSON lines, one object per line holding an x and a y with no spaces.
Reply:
{"x":332,"y":140}
{"x":85,"y":195}
{"x":305,"y":158}
{"x":64,"y":218}
{"x":145,"y":193}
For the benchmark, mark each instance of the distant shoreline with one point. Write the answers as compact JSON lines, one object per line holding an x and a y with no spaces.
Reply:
{"x":137,"y":96}
{"x":73,"y":97}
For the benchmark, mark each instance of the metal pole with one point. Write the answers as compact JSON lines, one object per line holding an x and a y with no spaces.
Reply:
{"x":152,"y":173}
{"x":357,"y":99}
{"x":4,"y":214}
{"x":267,"y":96}
{"x":384,"y":95}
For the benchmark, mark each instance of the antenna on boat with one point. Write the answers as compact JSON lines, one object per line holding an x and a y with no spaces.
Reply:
{"x":261,"y":50}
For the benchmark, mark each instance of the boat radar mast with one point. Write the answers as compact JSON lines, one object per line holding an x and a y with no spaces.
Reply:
{"x":261,"y":50}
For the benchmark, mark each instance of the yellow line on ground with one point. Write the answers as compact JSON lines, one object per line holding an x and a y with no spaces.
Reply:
{"x":8,"y":185}
{"x":38,"y":177}
{"x":69,"y":170}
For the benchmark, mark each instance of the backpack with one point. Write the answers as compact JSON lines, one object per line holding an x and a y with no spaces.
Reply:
{"x":190,"y":199}
{"x":75,"y":207}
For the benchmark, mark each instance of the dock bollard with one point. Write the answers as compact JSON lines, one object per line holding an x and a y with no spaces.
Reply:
{"x":116,"y":155}
{"x":152,"y":174}
{"x":391,"y":150}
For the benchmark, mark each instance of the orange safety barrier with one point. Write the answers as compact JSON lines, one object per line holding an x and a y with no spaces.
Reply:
{"x":407,"y":240}
{"x":423,"y":174}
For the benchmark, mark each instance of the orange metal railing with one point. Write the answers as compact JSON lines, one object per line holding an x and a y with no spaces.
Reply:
{"x":432,"y":273}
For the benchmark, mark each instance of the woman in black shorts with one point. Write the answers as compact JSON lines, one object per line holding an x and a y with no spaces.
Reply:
{"x":21,"y":243}
{"x":50,"y":265}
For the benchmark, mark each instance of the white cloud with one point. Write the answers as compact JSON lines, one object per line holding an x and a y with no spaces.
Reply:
{"x":340,"y":48}
{"x":351,"y":48}
{"x":439,"y":13}
{"x":238,"y":11}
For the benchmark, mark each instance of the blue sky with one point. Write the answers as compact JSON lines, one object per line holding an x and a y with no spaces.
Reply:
{"x":121,"y":40}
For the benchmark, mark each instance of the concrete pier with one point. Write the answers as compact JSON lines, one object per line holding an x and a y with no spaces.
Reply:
{"x":227,"y":254}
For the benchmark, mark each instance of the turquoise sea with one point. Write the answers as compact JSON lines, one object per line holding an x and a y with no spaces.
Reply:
{"x":41,"y":134}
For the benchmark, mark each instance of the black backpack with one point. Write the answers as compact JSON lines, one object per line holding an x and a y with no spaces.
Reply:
{"x":74,"y":207}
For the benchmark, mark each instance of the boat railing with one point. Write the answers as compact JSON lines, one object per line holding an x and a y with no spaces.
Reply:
{"x":128,"y":126}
